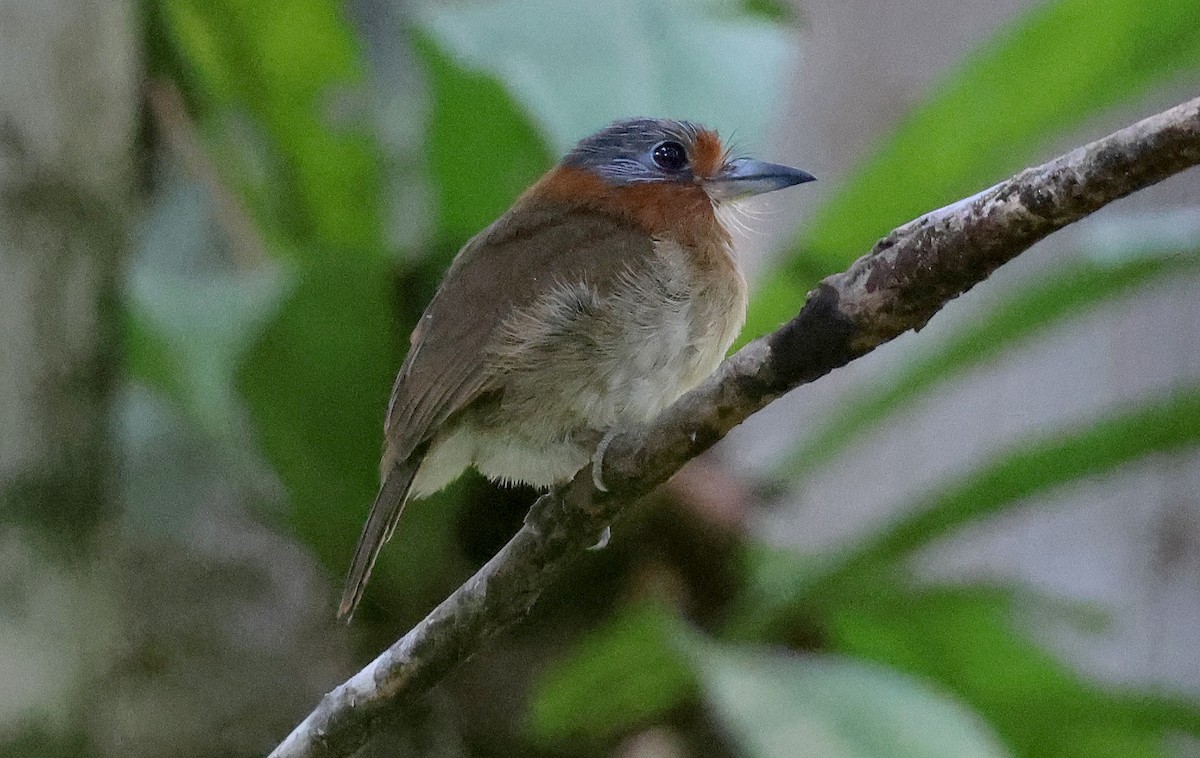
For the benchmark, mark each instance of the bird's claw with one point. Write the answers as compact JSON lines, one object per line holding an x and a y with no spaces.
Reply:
{"x":598,"y":460}
{"x":605,"y":536}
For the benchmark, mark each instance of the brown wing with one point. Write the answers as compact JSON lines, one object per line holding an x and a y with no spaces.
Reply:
{"x":524,"y":254}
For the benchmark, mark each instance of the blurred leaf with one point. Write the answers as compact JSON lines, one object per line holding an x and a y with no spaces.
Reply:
{"x":772,"y":10}
{"x":1160,"y":425}
{"x":292,"y":65}
{"x":397,"y":96}
{"x":150,"y":358}
{"x":483,"y":150}
{"x":780,"y":705}
{"x":622,"y":675}
{"x":204,"y":325}
{"x":1155,"y":232}
{"x":279,"y":89}
{"x":317,"y":383}
{"x":190,"y":320}
{"x":575,"y":66}
{"x":968,"y":640}
{"x":1057,"y":65}
{"x":776,"y":591}
{"x":310,"y":351}
{"x":1033,"y":309}
{"x":177,"y":236}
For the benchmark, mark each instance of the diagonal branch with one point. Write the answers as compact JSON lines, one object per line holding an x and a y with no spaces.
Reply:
{"x":909,"y":275}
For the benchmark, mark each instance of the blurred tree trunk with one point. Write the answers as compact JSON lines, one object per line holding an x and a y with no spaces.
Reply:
{"x":68,"y":123}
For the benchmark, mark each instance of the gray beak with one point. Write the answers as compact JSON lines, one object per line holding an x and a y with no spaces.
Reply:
{"x":745,"y":177}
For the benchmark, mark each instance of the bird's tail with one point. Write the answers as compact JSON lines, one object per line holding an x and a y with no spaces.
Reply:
{"x":385,"y":513}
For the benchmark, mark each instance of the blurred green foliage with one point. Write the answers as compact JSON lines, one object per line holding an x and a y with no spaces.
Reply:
{"x":970,"y":641}
{"x":1071,"y":289}
{"x":303,"y":345}
{"x":1060,"y":63}
{"x":472,"y":117}
{"x":1160,"y":426}
{"x":590,"y":695}
{"x":706,"y":60}
{"x":283,"y":64}
{"x":267,"y":95}
{"x":834,"y":706}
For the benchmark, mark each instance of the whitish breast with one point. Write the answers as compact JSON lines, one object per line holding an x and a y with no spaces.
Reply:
{"x":581,"y":360}
{"x":671,"y":326}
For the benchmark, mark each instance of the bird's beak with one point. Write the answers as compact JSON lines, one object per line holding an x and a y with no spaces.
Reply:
{"x":745,"y":177}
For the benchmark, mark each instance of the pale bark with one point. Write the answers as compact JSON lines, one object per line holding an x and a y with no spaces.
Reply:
{"x":68,"y":124}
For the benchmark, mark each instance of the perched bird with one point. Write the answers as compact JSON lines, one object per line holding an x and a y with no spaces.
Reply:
{"x":608,"y":290}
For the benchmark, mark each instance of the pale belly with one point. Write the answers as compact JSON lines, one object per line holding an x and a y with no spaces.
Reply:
{"x":580,"y":364}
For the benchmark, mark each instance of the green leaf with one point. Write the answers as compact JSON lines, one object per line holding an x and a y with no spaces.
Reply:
{"x":772,"y":10}
{"x":293,"y":67}
{"x":622,"y":675}
{"x":317,"y":384}
{"x":1057,"y":65}
{"x":779,"y":705}
{"x":669,"y":58}
{"x":278,"y":92}
{"x":1160,"y":425}
{"x":191,"y":318}
{"x":483,"y":151}
{"x":970,"y":641}
{"x":205,"y":326}
{"x":1031,"y":311}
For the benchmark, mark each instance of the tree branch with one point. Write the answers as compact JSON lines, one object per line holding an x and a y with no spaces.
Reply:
{"x":909,"y":275}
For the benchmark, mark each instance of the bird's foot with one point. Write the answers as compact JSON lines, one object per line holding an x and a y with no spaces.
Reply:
{"x":598,"y":461}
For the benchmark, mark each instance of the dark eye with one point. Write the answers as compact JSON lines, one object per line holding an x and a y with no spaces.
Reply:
{"x":670,"y":156}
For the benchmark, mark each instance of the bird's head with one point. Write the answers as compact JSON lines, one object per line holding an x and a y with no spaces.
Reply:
{"x":643,"y":151}
{"x":668,"y":177}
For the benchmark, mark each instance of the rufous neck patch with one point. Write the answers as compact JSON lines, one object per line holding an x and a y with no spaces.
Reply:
{"x":679,"y":211}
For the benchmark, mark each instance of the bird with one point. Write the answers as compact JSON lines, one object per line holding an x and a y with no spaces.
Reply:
{"x":608,"y":289}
